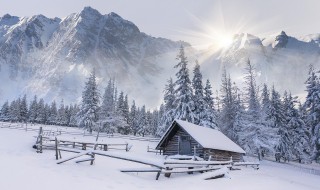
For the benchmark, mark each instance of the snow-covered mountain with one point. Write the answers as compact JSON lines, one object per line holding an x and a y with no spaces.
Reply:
{"x":52,"y":57}
{"x":279,"y":59}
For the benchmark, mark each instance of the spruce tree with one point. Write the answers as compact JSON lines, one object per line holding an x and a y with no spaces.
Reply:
{"x":209,"y":117}
{"x":33,"y":110}
{"x":24,"y":109}
{"x":88,"y":115}
{"x":184,"y":105}
{"x":198,"y":98}
{"x":5,"y":112}
{"x":52,"y":119}
{"x":312,"y":106}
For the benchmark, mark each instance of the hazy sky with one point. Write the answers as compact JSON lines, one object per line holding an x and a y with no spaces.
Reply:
{"x":185,"y":19}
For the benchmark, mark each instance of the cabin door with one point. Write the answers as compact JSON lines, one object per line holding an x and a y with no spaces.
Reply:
{"x":184,"y":145}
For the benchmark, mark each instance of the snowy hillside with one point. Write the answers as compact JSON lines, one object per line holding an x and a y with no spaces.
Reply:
{"x":52,"y":57}
{"x":26,"y":169}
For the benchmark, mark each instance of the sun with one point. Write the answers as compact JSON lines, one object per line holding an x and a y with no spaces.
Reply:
{"x":225,"y":41}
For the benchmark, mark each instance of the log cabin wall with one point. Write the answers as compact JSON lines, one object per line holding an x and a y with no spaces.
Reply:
{"x":221,"y":155}
{"x":172,"y":148}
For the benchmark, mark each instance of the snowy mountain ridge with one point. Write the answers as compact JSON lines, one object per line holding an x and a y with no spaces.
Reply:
{"x":279,"y":59}
{"x":52,"y":57}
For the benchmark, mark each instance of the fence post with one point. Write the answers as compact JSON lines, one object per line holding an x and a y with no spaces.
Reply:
{"x":127,"y":147}
{"x":40,"y":143}
{"x":56,"y":145}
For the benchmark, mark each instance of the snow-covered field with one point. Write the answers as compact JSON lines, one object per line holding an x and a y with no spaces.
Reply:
{"x":22,"y":168}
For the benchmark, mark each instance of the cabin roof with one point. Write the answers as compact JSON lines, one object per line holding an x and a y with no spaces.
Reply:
{"x":206,"y":137}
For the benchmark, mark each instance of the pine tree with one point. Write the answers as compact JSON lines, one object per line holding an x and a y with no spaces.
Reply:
{"x":227,"y":101}
{"x":284,"y":146}
{"x":5,"y":112}
{"x":251,"y":91}
{"x":198,"y":97}
{"x":133,"y":119}
{"x":33,"y":110}
{"x":143,"y":121}
{"x":297,"y":129}
{"x":61,"y":115}
{"x":265,"y":103}
{"x":121,"y":112}
{"x":89,"y":110}
{"x":40,"y":112}
{"x":184,"y":105}
{"x":312,"y":106}
{"x":209,"y":118}
{"x":255,"y":136}
{"x":24,"y":109}
{"x":52,"y":118}
{"x":14,"y":112}
{"x":125,"y":112}
{"x":73,"y":116}
{"x":162,"y":127}
{"x":168,"y":108}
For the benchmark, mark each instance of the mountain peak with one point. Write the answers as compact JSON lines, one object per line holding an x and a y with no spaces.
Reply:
{"x":115,"y":15}
{"x":89,"y":11}
{"x":281,"y":40}
{"x":6,"y":16}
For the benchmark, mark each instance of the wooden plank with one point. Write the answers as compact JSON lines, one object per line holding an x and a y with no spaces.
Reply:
{"x":103,"y":153}
{"x":141,"y":170}
{"x":69,"y":150}
{"x":84,"y":160}
{"x":191,"y":162}
{"x":203,"y":169}
{"x":73,"y":157}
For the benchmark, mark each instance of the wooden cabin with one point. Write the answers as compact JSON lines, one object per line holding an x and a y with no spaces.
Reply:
{"x":184,"y":138}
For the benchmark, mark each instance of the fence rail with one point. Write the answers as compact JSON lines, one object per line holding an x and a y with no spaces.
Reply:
{"x":59,"y":131}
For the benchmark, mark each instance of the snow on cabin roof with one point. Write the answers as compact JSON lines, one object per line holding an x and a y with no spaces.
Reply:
{"x":208,"y":138}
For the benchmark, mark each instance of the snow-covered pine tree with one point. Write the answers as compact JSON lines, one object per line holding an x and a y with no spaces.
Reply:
{"x":52,"y":119}
{"x":47,"y":112}
{"x":198,"y":98}
{"x":297,"y":130}
{"x":184,"y":105}
{"x":256,"y":137}
{"x":162,"y":127}
{"x":73,"y":116}
{"x":127,"y":129}
{"x":142,"y":120}
{"x":122,"y":125}
{"x":265,"y":101}
{"x":14,"y":111}
{"x":251,"y":91}
{"x":24,"y":109}
{"x":61,"y":115}
{"x":227,"y":101}
{"x":33,"y":110}
{"x":209,"y":117}
{"x":312,"y":106}
{"x":5,"y":115}
{"x":285,"y":144}
{"x":133,"y":119}
{"x":168,"y":108}
{"x":88,"y":115}
{"x":40,"y":112}
{"x":154,"y":122}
